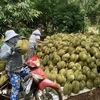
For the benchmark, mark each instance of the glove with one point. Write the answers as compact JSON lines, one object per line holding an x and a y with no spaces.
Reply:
{"x":27,"y":77}
{"x":46,"y":42}
{"x":16,"y":49}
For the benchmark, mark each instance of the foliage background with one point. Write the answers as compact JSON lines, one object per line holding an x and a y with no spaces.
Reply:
{"x":57,"y":16}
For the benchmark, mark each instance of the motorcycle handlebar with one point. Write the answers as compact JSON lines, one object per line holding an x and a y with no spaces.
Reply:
{"x":24,"y":65}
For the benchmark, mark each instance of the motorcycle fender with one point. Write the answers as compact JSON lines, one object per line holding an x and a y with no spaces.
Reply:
{"x":47,"y":83}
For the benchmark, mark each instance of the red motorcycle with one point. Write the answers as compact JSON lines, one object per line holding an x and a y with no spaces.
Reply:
{"x":35,"y":85}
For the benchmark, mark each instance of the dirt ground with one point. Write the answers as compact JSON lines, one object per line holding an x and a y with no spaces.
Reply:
{"x":92,"y":95}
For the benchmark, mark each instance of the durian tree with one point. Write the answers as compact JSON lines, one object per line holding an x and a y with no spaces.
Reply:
{"x":61,"y":16}
{"x":57,"y":16}
{"x":20,"y":13}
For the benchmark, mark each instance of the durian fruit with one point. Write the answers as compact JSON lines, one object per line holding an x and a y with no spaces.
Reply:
{"x":3,"y":78}
{"x":76,"y":58}
{"x":23,"y":44}
{"x":76,"y":87}
{"x":2,"y":65}
{"x":67,"y":89}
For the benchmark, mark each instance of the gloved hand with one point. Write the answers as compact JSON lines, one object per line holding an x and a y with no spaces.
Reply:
{"x":45,"y":42}
{"x":16,"y":49}
{"x":27,"y":77}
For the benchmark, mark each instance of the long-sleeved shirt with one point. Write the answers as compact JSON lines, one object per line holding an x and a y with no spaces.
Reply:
{"x":13,"y":60}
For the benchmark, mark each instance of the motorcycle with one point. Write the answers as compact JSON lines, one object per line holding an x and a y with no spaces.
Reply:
{"x":35,"y":85}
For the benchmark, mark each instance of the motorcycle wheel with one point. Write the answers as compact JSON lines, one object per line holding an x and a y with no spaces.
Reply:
{"x":49,"y":93}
